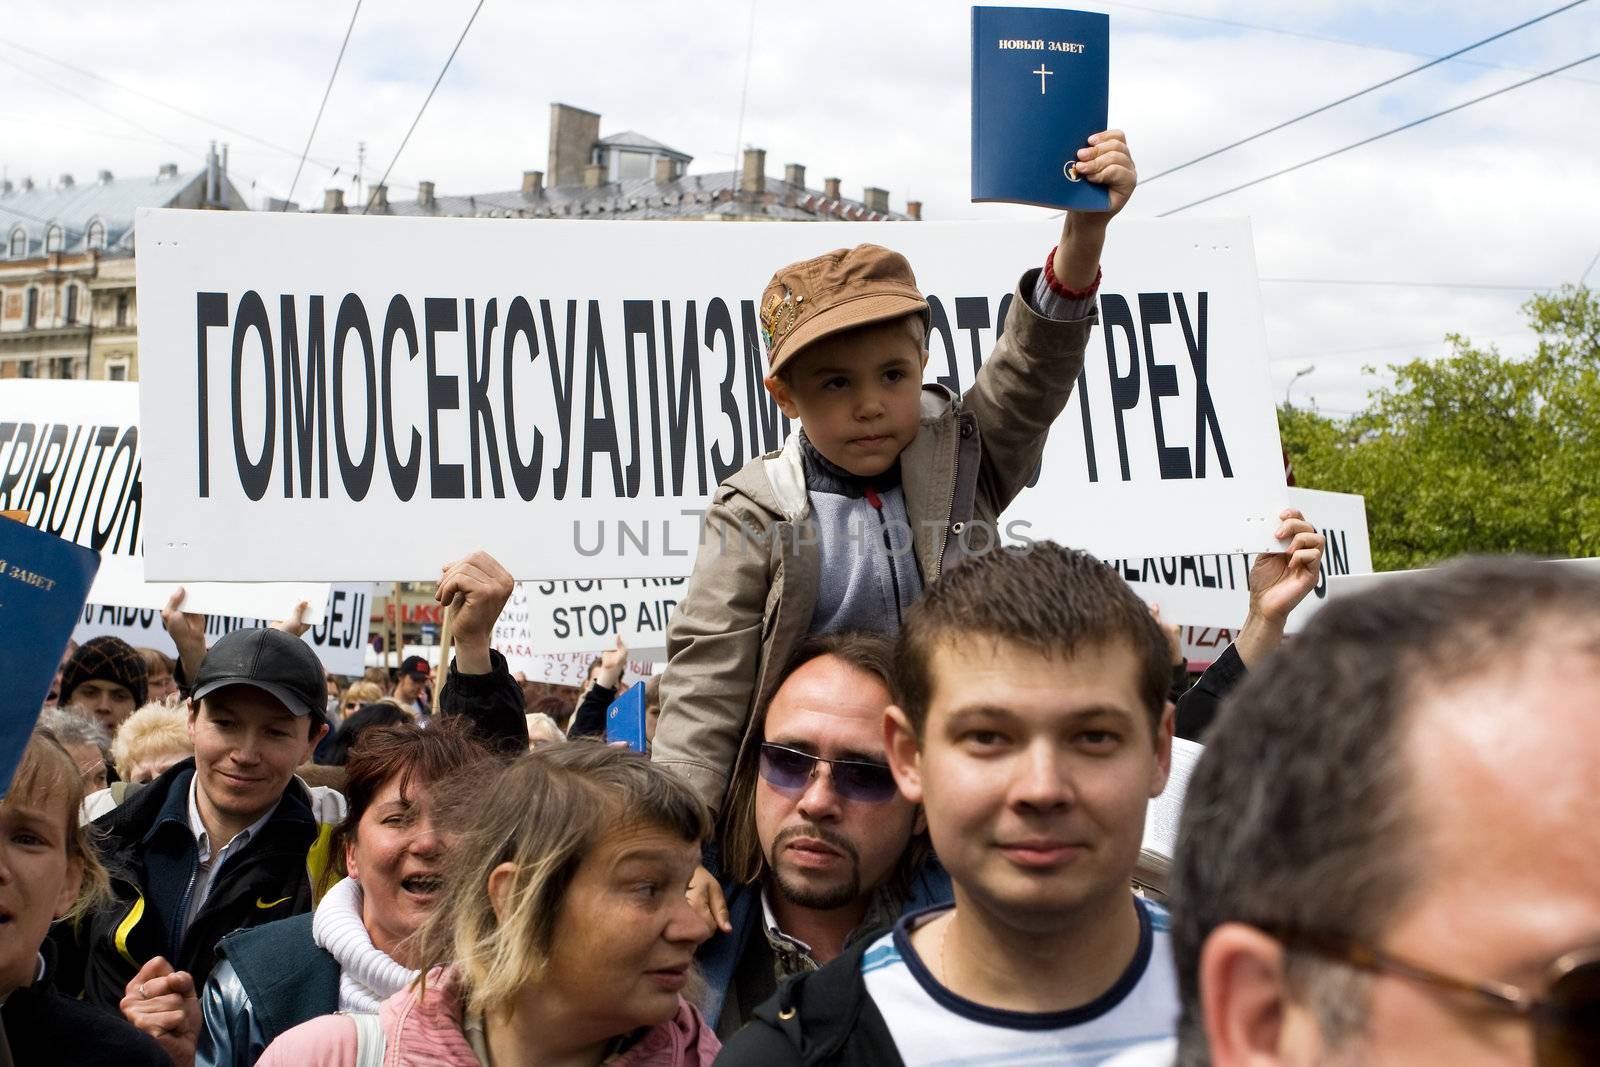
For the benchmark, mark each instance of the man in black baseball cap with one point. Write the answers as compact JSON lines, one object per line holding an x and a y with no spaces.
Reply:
{"x":228,"y":839}
{"x":411,"y":685}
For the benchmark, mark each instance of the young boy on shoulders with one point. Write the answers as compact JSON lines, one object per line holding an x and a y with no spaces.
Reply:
{"x":869,"y":500}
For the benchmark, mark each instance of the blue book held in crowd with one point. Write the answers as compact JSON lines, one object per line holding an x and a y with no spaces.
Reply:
{"x":44,"y":582}
{"x":1040,"y":80}
{"x":625,"y":719}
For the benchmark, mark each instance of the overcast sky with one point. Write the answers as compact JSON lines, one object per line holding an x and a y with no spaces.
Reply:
{"x":1502,"y":194}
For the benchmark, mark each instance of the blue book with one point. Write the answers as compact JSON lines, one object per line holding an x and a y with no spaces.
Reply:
{"x":1039,"y":85}
{"x":625,"y":719}
{"x":44,"y":581}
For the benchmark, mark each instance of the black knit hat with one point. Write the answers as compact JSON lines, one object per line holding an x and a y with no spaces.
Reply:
{"x":106,"y":659}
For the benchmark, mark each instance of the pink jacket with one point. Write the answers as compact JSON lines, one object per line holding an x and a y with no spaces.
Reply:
{"x":426,"y":1031}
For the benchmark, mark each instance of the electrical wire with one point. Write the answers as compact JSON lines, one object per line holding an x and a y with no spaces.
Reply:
{"x":169,"y":106}
{"x":1324,"y":38}
{"x":318,"y":120}
{"x":1584,"y":277}
{"x":1379,"y":136}
{"x":1214,"y":153}
{"x":1419,"y":285}
{"x":69,"y":91}
{"x":385,"y":179}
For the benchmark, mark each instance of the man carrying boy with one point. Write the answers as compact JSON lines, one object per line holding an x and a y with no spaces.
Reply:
{"x":814,"y":538}
{"x":1033,"y":727}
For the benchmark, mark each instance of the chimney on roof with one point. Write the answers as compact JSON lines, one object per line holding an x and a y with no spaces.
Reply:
{"x":594,"y":175}
{"x":830,"y":188}
{"x":333,"y":201}
{"x":573,"y":133}
{"x":532,"y":184}
{"x":666,"y":170}
{"x":378,"y":200}
{"x":914,"y":209}
{"x":5,"y":187}
{"x":27,"y":184}
{"x":105,"y":177}
{"x":66,"y":181}
{"x":425,"y":195}
{"x":876,"y":199}
{"x":753,"y":175}
{"x":795,"y":174}
{"x":168,"y":170}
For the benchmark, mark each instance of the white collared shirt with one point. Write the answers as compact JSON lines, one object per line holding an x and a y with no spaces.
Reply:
{"x":208,"y":863}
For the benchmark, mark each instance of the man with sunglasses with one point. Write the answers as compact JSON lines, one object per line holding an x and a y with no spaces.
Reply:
{"x":1032,"y":726}
{"x":818,"y":847}
{"x":1391,"y":848}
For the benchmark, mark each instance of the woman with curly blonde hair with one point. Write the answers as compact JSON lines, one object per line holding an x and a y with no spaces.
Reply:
{"x":564,"y":935}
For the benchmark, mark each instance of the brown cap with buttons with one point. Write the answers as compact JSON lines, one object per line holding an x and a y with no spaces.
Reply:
{"x":841,"y":290}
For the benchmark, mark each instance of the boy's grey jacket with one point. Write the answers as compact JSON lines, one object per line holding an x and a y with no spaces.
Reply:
{"x":749,"y":602}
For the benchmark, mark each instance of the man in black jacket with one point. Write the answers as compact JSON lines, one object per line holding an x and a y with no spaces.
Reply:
{"x":225,"y":840}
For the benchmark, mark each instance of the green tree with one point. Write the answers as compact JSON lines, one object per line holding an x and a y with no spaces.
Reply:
{"x":1474,"y":452}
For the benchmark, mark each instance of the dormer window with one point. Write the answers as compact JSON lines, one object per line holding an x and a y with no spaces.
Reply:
{"x":17,"y":243}
{"x":54,"y":239}
{"x":96,"y":236}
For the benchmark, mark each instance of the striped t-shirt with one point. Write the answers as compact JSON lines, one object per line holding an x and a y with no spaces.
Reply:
{"x":933,"y":1027}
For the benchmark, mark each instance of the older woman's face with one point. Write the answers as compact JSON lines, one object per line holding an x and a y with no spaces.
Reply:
{"x":161,"y":686}
{"x":37,"y":881}
{"x":626,"y":935}
{"x":398,"y":858}
{"x":154,"y":765}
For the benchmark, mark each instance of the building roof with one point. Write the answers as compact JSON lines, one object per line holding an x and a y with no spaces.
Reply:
{"x":690,"y":196}
{"x":110,"y":201}
{"x":632,"y":139}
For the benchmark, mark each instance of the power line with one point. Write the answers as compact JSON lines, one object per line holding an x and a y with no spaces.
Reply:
{"x":163,"y":103}
{"x":1325,"y":38}
{"x":1363,"y":92}
{"x":1379,"y":136}
{"x":1418,"y":285}
{"x":1584,"y":277}
{"x":385,"y":179}
{"x":58,"y":87}
{"x":1336,"y":353}
{"x":318,"y":120}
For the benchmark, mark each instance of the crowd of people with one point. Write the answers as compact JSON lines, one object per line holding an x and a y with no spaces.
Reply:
{"x":892,"y":801}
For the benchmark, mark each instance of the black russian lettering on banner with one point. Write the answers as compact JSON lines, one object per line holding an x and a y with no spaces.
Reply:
{"x":639,"y":320}
{"x":683,"y":399}
{"x":480,"y":413}
{"x":355,"y":474}
{"x":524,"y":475}
{"x":251,"y":317}
{"x":305,"y":397}
{"x":1172,"y":460}
{"x":446,"y":481}
{"x":404,"y":474}
{"x":599,"y":431}
{"x":561,"y":379}
{"x":720,"y":322}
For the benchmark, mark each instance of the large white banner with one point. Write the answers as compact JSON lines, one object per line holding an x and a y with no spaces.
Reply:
{"x":70,"y":457}
{"x":567,"y":394}
{"x":339,"y":640}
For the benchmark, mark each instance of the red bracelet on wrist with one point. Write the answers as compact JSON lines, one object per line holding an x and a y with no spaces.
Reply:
{"x":1061,"y":290}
